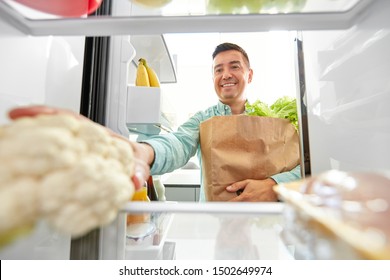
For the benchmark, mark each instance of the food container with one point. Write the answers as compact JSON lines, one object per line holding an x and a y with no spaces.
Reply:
{"x":140,"y":234}
{"x":65,"y":8}
{"x":337,"y":215}
{"x":147,"y":240}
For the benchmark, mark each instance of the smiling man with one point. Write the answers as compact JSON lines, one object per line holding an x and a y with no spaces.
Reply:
{"x":231,"y":75}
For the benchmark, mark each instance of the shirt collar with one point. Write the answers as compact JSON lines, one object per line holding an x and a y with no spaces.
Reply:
{"x":224,"y":109}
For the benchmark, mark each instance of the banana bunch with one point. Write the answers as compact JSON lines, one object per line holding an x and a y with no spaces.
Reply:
{"x":146,"y":76}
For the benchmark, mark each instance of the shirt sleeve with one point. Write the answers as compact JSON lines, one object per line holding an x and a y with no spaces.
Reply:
{"x":174,"y":150}
{"x":294,"y":174}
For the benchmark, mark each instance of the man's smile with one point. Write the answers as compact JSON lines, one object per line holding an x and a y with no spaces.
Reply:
{"x":228,"y":85}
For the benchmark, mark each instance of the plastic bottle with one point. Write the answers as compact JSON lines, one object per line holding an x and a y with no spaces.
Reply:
{"x":140,"y":195}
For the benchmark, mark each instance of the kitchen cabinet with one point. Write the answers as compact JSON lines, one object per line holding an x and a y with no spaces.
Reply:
{"x":182,"y":192}
{"x":182,"y":184}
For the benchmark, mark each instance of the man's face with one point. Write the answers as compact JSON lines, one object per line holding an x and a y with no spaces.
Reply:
{"x":231,"y":76}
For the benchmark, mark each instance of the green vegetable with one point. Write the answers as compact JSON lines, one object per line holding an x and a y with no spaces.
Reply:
{"x":284,"y":107}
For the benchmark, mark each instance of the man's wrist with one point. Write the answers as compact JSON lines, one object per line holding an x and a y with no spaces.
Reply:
{"x":148,"y":153}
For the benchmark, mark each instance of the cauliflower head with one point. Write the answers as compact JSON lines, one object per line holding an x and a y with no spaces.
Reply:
{"x":70,"y":172}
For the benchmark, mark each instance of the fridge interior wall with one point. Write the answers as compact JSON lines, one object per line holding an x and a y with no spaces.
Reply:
{"x":347,"y":94}
{"x":39,"y":70}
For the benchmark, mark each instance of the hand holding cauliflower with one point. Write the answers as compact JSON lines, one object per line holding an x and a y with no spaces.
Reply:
{"x":64,"y":169}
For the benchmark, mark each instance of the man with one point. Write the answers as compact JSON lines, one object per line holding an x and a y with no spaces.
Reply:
{"x":231,"y":76}
{"x":165,"y":153}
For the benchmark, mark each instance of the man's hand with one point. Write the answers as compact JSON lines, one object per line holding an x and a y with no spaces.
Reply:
{"x":141,"y":154}
{"x":254,"y":190}
{"x":144,"y":155}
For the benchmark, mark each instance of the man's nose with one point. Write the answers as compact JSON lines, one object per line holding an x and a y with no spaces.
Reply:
{"x":226,"y":75}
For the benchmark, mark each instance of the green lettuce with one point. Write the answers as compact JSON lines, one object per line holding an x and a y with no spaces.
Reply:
{"x":284,"y":107}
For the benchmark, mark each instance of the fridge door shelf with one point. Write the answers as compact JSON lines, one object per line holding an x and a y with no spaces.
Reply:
{"x":156,"y":52}
{"x":148,"y":129}
{"x":144,"y":114}
{"x":161,"y":222}
{"x":143,"y":105}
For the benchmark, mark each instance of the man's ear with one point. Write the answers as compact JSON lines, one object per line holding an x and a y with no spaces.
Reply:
{"x":250,"y":76}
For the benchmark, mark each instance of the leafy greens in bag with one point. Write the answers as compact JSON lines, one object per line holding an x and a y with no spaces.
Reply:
{"x":284,"y":107}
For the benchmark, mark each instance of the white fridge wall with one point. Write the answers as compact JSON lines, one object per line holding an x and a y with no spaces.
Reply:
{"x":40,"y":70}
{"x":348,"y":92}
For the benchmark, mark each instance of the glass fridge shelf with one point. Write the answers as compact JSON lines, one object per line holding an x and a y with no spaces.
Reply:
{"x":189,"y":16}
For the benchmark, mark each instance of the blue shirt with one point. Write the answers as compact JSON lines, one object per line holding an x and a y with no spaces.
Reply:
{"x":174,"y":150}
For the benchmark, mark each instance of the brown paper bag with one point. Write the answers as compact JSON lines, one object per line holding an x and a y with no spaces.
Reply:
{"x":240,"y":147}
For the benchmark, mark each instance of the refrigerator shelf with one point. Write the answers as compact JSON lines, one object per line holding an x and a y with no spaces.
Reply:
{"x":313,"y":16}
{"x":212,"y":227}
{"x":269,"y":208}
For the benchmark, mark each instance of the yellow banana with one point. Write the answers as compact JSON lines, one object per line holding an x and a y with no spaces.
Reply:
{"x":142,"y":77}
{"x":153,"y":78}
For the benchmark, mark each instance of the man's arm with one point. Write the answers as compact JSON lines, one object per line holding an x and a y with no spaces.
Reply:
{"x":143,"y":155}
{"x":285,"y":177}
{"x":168,"y":152}
{"x":145,"y":152}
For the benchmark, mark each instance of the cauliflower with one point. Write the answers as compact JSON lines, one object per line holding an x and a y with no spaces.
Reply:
{"x":70,"y":172}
